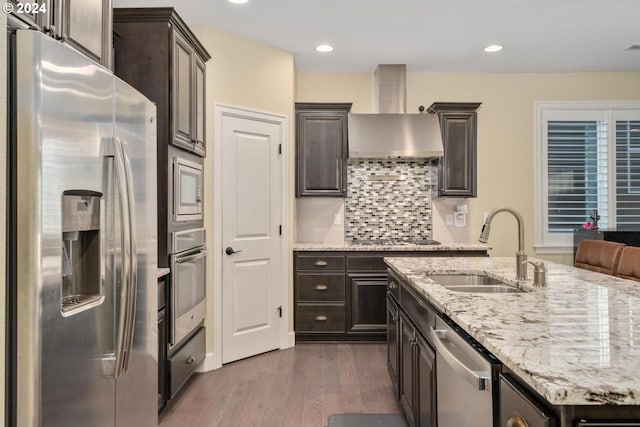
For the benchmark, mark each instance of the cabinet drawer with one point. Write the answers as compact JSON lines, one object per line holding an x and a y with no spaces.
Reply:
{"x":320,"y":318}
{"x":320,"y":262}
{"x":517,"y":406}
{"x":423,"y":316}
{"x":184,"y":361}
{"x":319,"y":287}
{"x":393,"y":285}
{"x":365,"y":263}
{"x":162,"y":293}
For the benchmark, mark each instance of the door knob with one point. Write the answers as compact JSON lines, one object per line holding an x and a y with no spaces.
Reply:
{"x":230,"y":251}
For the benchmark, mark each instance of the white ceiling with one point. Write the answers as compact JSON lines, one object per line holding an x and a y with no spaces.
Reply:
{"x":432,"y":35}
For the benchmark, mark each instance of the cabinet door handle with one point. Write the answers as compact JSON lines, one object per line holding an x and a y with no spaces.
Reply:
{"x":515,"y":420}
{"x":321,"y":287}
{"x":190,"y":360}
{"x":393,"y":285}
{"x":321,"y":318}
{"x":320,"y":263}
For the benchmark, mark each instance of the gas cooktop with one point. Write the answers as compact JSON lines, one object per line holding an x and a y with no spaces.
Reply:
{"x":406,"y":242}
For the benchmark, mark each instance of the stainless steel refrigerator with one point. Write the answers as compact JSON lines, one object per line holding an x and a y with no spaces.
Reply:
{"x":84,"y":241}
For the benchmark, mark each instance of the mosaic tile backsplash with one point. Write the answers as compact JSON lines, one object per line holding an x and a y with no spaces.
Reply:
{"x":379,"y":206}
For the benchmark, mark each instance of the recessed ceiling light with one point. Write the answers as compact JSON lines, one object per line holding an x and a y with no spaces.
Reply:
{"x":493,"y":48}
{"x":324,"y":48}
{"x":238,"y":1}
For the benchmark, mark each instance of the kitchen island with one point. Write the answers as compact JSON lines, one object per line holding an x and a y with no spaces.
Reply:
{"x":576,"y":342}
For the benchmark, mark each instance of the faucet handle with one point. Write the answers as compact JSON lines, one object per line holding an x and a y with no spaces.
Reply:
{"x":539,"y":272}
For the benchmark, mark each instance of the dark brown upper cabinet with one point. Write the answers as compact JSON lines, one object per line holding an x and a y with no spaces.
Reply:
{"x":158,"y":54}
{"x":188,"y":96}
{"x":321,"y":149}
{"x":457,"y":168}
{"x":85,"y":25}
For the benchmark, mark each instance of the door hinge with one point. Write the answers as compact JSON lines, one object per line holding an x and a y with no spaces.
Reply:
{"x":279,"y":148}
{"x":280,"y":230}
{"x":280,"y":311}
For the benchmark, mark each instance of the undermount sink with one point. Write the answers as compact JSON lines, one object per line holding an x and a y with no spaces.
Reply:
{"x":476,"y":283}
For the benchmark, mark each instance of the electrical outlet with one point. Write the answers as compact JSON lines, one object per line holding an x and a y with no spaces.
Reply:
{"x":337,"y":220}
{"x":459,"y":219}
{"x":449,"y":219}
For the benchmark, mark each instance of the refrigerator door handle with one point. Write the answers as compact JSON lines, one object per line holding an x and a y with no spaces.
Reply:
{"x":132,"y":287}
{"x":125,"y":269}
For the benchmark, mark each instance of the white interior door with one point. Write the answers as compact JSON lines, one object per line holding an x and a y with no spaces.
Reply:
{"x":251,"y":237}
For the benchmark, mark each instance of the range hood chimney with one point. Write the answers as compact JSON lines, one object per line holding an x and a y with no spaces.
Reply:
{"x":391,"y":133}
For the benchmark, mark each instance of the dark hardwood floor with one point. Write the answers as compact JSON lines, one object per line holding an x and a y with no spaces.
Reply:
{"x":298,"y":387}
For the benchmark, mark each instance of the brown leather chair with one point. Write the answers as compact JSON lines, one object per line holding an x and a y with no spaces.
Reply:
{"x":629,"y":264}
{"x":598,"y":255}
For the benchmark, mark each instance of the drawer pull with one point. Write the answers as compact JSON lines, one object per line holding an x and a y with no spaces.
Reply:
{"x":393,"y":285}
{"x":190,"y":360}
{"x":515,"y":420}
{"x":321,"y":318}
{"x":320,"y":263}
{"x":321,"y":287}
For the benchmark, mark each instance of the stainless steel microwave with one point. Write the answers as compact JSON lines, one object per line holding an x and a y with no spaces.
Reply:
{"x":187,"y":190}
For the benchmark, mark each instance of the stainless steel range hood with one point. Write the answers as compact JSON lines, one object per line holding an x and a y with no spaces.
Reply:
{"x":393,"y":134}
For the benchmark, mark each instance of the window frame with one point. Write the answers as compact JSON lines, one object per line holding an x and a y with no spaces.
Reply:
{"x":562,"y":243}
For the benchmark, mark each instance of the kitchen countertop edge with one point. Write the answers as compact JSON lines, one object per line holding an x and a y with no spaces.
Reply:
{"x":328,"y":247}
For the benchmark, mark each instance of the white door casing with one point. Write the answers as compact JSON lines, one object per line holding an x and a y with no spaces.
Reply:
{"x":251,"y":294}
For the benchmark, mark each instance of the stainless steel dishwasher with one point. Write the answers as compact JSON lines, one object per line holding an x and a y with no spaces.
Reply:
{"x":467,"y":376}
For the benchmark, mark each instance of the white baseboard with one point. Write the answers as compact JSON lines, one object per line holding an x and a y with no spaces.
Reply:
{"x":291,"y":340}
{"x":208,"y":364}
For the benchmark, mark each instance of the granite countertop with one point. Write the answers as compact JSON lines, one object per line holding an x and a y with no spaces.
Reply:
{"x":402,"y":247}
{"x":576,"y":342}
{"x":163,"y":272}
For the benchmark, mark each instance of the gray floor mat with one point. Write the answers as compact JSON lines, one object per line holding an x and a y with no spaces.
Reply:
{"x":367,"y":420}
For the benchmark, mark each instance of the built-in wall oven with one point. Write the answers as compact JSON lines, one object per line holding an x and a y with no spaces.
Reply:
{"x":187,"y":189}
{"x":188,"y":262}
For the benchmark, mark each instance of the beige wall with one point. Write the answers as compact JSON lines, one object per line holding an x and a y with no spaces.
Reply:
{"x":245,"y":74}
{"x":505,"y":129}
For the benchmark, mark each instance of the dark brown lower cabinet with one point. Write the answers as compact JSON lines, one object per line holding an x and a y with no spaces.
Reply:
{"x":366,"y":296}
{"x":162,"y":358}
{"x":163,"y":339}
{"x":425,"y":378}
{"x":340,"y":295}
{"x":416,"y":370}
{"x":407,"y":356}
{"x":393,"y":343}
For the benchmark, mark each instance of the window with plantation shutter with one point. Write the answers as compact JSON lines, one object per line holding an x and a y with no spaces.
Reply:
{"x":627,"y":175}
{"x":588,"y":158}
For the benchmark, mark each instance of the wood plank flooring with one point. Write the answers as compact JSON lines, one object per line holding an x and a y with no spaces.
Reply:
{"x":298,"y":387}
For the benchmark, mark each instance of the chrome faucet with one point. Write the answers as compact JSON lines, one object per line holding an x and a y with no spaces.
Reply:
{"x":521,"y":257}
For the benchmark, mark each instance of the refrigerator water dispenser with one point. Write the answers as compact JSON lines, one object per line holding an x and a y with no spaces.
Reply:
{"x":81,"y":251}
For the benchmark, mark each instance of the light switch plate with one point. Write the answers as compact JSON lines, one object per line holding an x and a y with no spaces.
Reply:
{"x":337,"y":220}
{"x":449,"y":219}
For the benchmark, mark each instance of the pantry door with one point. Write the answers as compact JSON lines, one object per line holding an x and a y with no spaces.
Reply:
{"x":252,"y":240}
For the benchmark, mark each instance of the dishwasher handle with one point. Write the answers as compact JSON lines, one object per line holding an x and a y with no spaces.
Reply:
{"x":479,"y":379}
